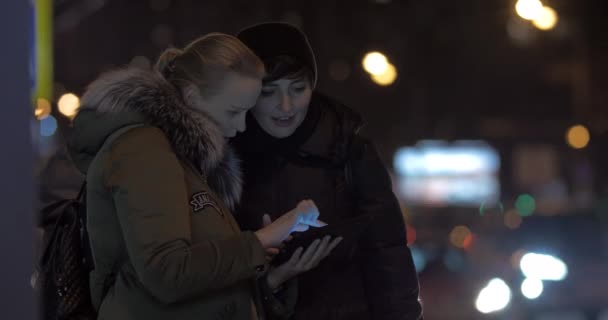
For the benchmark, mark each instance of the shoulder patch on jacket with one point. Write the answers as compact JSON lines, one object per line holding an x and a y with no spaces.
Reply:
{"x":200,"y":200}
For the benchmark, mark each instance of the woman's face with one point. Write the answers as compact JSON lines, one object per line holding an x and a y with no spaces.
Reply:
{"x":282,"y":106}
{"x":230,"y":105}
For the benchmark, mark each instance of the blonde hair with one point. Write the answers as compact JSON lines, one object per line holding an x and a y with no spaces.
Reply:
{"x":203,"y":64}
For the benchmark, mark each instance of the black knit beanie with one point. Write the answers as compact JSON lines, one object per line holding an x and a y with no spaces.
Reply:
{"x":273,"y":39}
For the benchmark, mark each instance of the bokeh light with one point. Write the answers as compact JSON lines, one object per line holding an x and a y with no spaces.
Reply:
{"x":411,"y":234}
{"x":543,"y":267}
{"x":468,"y":241}
{"x":48,"y":126}
{"x":419,"y":258}
{"x":529,"y":9}
{"x":516,"y":258}
{"x":68,"y":105}
{"x":494,"y":297}
{"x":489,"y":208}
{"x":512,"y":219}
{"x":458,"y":236}
{"x":386,"y":78}
{"x":375,"y":63}
{"x":454,"y":260}
{"x":578,"y":136}
{"x":532,"y":288}
{"x":43,"y":108}
{"x":546,"y":20}
{"x":525,"y":205}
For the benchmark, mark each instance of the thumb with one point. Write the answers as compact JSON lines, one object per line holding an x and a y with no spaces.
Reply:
{"x":266,"y":221}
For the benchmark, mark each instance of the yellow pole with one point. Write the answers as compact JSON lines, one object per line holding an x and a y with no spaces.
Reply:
{"x":44,"y":50}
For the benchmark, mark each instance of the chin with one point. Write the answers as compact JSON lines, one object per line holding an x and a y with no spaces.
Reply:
{"x":281,"y":133}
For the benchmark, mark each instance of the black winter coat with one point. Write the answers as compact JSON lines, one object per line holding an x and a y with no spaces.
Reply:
{"x":327,"y":161}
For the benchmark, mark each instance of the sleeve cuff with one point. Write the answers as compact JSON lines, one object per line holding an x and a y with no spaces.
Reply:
{"x":281,"y":304}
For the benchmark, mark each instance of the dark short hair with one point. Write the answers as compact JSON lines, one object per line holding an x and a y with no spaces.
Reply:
{"x":286,"y":67}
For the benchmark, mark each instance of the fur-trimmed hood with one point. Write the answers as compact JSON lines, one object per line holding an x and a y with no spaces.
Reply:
{"x":130,"y":96}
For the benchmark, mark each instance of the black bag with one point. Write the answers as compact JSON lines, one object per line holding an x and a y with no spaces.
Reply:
{"x":63,"y":278}
{"x":66,"y":262}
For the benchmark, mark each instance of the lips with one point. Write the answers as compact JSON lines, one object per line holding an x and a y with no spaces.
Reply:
{"x":284,"y":121}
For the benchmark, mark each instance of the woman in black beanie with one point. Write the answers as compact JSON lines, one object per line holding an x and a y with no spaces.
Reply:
{"x":302,"y":144}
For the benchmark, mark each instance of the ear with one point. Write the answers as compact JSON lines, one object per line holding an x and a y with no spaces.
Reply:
{"x":192,"y":97}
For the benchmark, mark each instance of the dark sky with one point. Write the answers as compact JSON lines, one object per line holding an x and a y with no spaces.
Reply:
{"x":461,"y":73}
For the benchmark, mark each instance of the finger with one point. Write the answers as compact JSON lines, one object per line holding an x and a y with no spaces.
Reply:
{"x":317,"y":224}
{"x":333,"y":245}
{"x":300,"y":227}
{"x":308,"y":211}
{"x":319,"y":253}
{"x":266,"y":221}
{"x":272,"y":251}
{"x":313,"y":212}
{"x":308,"y":254}
{"x":295,"y":257}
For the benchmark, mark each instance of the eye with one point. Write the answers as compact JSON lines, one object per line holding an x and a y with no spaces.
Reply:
{"x":299,"y":88}
{"x":267,"y":92}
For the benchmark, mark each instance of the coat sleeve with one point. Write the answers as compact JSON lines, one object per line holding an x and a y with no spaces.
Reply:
{"x":149,"y":191}
{"x":278,"y":305}
{"x":390,"y":279}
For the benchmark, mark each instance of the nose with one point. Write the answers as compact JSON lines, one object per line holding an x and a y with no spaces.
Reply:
{"x":286,"y":105}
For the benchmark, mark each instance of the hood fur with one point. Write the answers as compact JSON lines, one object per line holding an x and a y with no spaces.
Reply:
{"x":194,"y":136}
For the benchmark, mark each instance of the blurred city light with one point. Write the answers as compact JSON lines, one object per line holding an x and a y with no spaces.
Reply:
{"x":458,"y":236}
{"x":48,"y":126}
{"x":386,"y":78}
{"x":525,"y":205}
{"x":439,"y":173}
{"x":494,"y":297}
{"x":68,"y":104}
{"x":419,"y":258}
{"x":516,"y":258}
{"x":454,"y":260}
{"x":529,"y":9}
{"x":532,"y":288}
{"x":546,"y":20}
{"x":440,"y":158}
{"x":489,"y":208}
{"x":375,"y":63}
{"x":43,"y":108}
{"x":468,"y":241}
{"x":543,"y":267}
{"x":512,"y":219}
{"x":411,"y":234}
{"x":578,"y":136}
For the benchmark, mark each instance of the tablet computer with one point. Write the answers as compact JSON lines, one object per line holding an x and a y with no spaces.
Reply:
{"x":350,"y":230}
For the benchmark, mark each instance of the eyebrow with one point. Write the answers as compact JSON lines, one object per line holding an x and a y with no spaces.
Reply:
{"x":293,"y":82}
{"x":241,"y":108}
